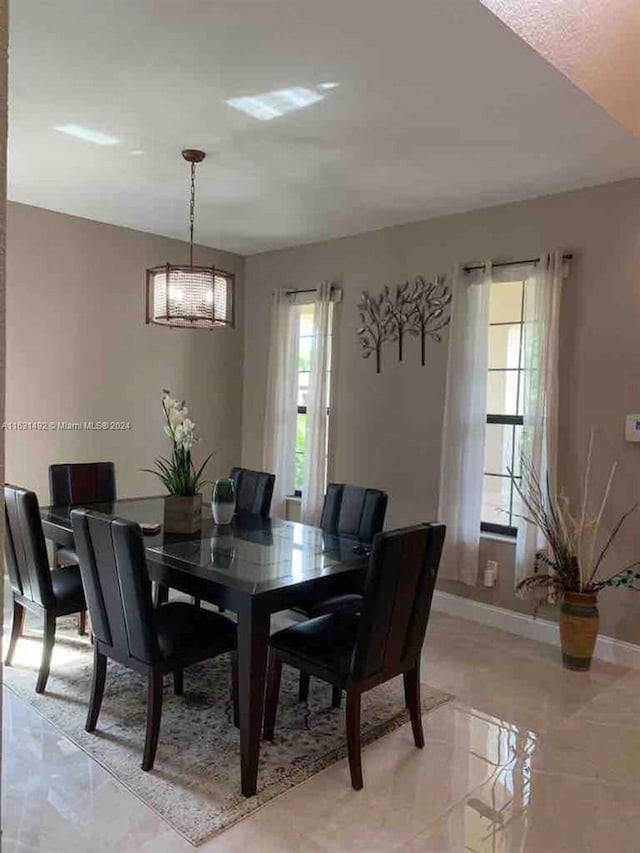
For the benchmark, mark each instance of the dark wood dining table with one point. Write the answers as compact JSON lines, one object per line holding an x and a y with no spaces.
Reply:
{"x":253,"y":567}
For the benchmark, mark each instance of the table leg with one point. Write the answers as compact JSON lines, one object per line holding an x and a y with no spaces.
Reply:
{"x":253,"y":647}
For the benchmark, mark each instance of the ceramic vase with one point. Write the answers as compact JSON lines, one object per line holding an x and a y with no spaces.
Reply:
{"x":579,"y":621}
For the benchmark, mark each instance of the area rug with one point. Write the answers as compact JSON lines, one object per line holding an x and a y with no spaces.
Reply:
{"x":195,"y":784}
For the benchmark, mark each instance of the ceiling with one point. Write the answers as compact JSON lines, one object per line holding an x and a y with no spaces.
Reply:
{"x":439,"y":108}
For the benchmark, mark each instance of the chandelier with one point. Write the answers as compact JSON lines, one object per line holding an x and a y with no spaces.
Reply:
{"x":190,"y":297}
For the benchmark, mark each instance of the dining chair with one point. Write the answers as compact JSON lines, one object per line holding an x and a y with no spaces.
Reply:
{"x":355,"y":652}
{"x":352,"y":512}
{"x":78,"y":483}
{"x":254,"y":490}
{"x":35,"y":586}
{"x":128,"y":629}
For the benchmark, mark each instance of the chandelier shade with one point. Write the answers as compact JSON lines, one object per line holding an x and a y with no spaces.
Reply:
{"x":188,"y":296}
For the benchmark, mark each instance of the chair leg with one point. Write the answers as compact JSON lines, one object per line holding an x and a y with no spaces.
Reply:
{"x":336,"y":696}
{"x":161,"y":594}
{"x":82,"y":623}
{"x":196,"y":601}
{"x":154,"y":715}
{"x":178,"y":682}
{"x":412,"y":700}
{"x":17,"y":624}
{"x":274,"y":674}
{"x":303,"y":687}
{"x":97,"y":689}
{"x":47,"y":648}
{"x":234,"y":689}
{"x":353,"y":739}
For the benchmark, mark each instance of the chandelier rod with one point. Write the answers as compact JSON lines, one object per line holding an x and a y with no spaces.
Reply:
{"x":193,"y":156}
{"x":192,"y":207}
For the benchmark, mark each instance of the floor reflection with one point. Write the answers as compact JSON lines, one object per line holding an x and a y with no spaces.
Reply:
{"x":493,"y":818}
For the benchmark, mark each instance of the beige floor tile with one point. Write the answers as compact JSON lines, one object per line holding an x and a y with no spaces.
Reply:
{"x":519,"y":811}
{"x":593,"y":751}
{"x":528,"y":758}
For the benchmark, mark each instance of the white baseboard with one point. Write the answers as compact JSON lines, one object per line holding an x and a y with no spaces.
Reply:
{"x":607,"y":648}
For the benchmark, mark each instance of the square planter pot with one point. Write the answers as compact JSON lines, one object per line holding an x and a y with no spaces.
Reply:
{"x":182,"y":514}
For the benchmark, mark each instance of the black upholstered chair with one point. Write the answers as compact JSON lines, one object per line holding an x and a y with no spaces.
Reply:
{"x":355,"y":652}
{"x":254,"y":490}
{"x":79,"y":483}
{"x":36,"y":587}
{"x":353,"y":512}
{"x":126,"y":626}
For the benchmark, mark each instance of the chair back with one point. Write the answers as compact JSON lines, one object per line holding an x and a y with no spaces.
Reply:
{"x":401,"y":577}
{"x":254,"y":490}
{"x":116,"y":584}
{"x":353,"y":511}
{"x":25,"y":547}
{"x":82,"y":483}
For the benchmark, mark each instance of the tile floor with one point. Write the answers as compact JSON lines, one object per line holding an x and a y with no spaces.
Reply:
{"x":529,"y":757}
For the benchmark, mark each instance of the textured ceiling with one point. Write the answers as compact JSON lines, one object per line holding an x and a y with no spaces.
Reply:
{"x":440,"y":107}
{"x":596,"y":43}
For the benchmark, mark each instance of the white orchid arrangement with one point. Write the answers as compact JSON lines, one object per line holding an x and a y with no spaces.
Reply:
{"x":179,"y":474}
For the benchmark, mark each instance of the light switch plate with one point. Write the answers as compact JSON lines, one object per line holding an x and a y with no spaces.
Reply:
{"x":632,"y":428}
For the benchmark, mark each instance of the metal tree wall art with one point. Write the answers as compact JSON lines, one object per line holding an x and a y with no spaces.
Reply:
{"x":375,"y":326}
{"x":400,"y":310}
{"x":419,"y":310}
{"x":429,"y":300}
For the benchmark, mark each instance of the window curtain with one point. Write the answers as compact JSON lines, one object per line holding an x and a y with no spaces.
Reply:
{"x":316,"y":435}
{"x":465,"y":423}
{"x":539,"y":445}
{"x":279,"y":454}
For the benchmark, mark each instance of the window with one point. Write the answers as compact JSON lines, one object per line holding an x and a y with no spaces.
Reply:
{"x":504,"y":406}
{"x":305,"y":342}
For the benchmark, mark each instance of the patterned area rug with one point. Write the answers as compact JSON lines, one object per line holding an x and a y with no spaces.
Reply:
{"x":195,"y":784}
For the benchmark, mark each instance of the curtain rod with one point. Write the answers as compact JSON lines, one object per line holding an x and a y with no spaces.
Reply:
{"x":311,"y":289}
{"x":568,"y":257}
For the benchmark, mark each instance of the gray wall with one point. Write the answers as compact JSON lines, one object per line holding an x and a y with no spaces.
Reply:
{"x":78,"y":349}
{"x":386,"y":430}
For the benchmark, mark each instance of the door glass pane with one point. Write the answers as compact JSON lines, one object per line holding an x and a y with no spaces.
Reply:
{"x":504,"y":346}
{"x":505,"y":302}
{"x":304,"y":353}
{"x":502,"y":390}
{"x":306,"y":320}
{"x":517,"y":441}
{"x":498,"y":448}
{"x":300,"y":429}
{"x":495,"y":500}
{"x":301,"y":425}
{"x":303,"y":388}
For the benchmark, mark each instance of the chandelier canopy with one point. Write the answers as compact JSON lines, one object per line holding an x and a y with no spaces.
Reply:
{"x":188,"y":296}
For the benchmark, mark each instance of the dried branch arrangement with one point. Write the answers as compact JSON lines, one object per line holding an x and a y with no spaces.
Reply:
{"x":418,"y":309}
{"x":577,"y":545}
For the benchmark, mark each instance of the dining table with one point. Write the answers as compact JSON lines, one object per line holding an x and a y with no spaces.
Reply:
{"x":253,"y":567}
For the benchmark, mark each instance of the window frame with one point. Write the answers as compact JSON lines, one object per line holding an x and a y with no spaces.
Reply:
{"x":302,"y":410}
{"x":508,"y":530}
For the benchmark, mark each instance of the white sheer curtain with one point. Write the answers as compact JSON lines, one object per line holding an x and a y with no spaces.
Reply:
{"x":542,"y":293}
{"x":315,"y":457}
{"x":279,"y":455}
{"x":465,"y":423}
